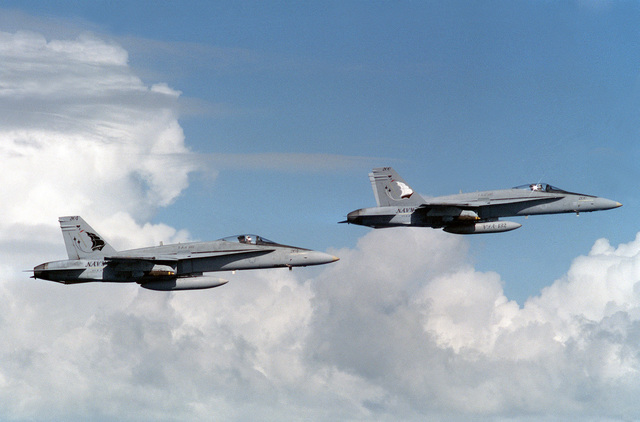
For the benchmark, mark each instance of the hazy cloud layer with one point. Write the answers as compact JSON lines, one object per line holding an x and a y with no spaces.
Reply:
{"x":402,"y":327}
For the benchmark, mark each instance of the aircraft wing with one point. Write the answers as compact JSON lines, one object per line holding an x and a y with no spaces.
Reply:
{"x":470,"y":208}
{"x":173,"y":258}
{"x":484,"y":202}
{"x":129,"y":259}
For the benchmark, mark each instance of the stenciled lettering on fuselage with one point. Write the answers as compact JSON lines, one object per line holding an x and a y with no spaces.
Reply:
{"x":406,"y":210}
{"x":91,"y":264}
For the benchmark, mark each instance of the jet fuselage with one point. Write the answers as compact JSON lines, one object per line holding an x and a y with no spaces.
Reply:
{"x":187,"y":262}
{"x":168,"y":267}
{"x":467,"y":213}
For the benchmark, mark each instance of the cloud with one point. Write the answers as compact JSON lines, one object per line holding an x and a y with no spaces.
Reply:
{"x":402,"y":327}
{"x":452,"y":342}
{"x":80,"y":133}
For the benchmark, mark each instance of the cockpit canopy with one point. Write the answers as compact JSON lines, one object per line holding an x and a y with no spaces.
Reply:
{"x":249,"y":239}
{"x":541,"y":187}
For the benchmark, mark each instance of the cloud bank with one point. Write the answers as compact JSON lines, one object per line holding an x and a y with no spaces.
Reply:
{"x":81,"y":134}
{"x":402,"y":328}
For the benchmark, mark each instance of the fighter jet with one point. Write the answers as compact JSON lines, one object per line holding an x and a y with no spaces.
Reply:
{"x":182,"y":266}
{"x":466,"y":213}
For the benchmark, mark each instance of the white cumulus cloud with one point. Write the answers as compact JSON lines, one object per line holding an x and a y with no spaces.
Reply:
{"x":81,"y":133}
{"x":402,"y":327}
{"x":450,"y":341}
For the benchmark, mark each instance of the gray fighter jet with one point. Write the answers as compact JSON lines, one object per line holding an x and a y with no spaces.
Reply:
{"x":182,"y":266}
{"x":467,"y":213}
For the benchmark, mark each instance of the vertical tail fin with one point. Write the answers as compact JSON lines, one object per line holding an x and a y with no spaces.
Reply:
{"x":82,"y":241}
{"x":391,"y":190}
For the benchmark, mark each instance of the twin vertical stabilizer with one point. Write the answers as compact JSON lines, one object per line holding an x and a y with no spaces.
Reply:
{"x":82,"y":241}
{"x":391,"y":190}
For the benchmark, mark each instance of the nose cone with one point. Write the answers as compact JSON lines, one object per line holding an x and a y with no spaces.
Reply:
{"x":305,"y":258}
{"x":606,"y":204}
{"x":319,"y":258}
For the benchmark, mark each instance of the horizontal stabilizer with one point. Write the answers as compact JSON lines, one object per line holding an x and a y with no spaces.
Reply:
{"x":59,"y":271}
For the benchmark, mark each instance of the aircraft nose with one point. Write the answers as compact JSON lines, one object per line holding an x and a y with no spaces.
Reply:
{"x":607,"y":204}
{"x":318,"y":258}
{"x":322,"y":258}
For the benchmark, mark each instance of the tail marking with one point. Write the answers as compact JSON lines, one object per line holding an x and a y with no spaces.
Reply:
{"x":390,"y":189}
{"x":82,"y":241}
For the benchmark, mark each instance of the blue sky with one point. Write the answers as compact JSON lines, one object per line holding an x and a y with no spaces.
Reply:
{"x":286,"y":106}
{"x":457,"y":96}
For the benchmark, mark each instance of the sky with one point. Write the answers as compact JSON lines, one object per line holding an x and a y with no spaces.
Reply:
{"x":179,"y":121}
